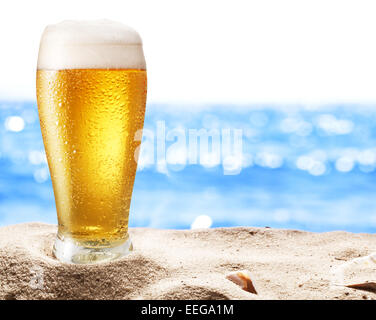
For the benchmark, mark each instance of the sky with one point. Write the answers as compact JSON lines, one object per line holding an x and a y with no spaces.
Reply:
{"x":199,"y":52}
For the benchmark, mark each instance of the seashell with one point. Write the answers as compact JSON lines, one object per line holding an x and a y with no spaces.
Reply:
{"x":243,"y":279}
{"x":358,"y":273}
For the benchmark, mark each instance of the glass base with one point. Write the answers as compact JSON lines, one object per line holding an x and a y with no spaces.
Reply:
{"x":71,"y":251}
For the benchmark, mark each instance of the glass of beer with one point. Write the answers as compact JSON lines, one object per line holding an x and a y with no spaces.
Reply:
{"x":91,"y":92}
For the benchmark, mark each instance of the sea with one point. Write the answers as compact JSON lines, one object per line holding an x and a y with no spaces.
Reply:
{"x":204,"y":166}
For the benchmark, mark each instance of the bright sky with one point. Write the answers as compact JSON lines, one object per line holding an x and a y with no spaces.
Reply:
{"x":217,"y":51}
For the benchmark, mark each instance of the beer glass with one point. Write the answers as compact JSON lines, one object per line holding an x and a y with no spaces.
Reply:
{"x":91,"y":93}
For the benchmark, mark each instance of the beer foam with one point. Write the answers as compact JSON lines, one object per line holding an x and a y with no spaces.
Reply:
{"x":98,"y":44}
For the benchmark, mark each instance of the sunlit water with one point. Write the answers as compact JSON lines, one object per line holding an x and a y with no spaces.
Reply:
{"x":311,"y":169}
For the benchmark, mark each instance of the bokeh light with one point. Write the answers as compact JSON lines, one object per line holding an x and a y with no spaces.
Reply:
{"x":14,"y":123}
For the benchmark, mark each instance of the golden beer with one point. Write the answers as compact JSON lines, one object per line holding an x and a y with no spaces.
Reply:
{"x":89,"y":118}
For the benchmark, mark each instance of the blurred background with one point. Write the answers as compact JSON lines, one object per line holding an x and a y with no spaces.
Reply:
{"x":296,"y":77}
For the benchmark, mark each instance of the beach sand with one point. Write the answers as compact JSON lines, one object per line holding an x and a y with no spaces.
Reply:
{"x":184,"y":264}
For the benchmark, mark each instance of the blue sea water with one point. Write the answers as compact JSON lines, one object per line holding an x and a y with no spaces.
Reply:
{"x":305,"y":168}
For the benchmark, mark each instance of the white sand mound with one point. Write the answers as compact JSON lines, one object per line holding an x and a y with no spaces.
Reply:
{"x":170,"y":264}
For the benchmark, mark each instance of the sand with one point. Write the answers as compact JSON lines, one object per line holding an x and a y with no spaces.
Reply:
{"x":191,"y":264}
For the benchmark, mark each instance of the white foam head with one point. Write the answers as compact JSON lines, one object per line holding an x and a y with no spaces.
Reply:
{"x":99,"y":44}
